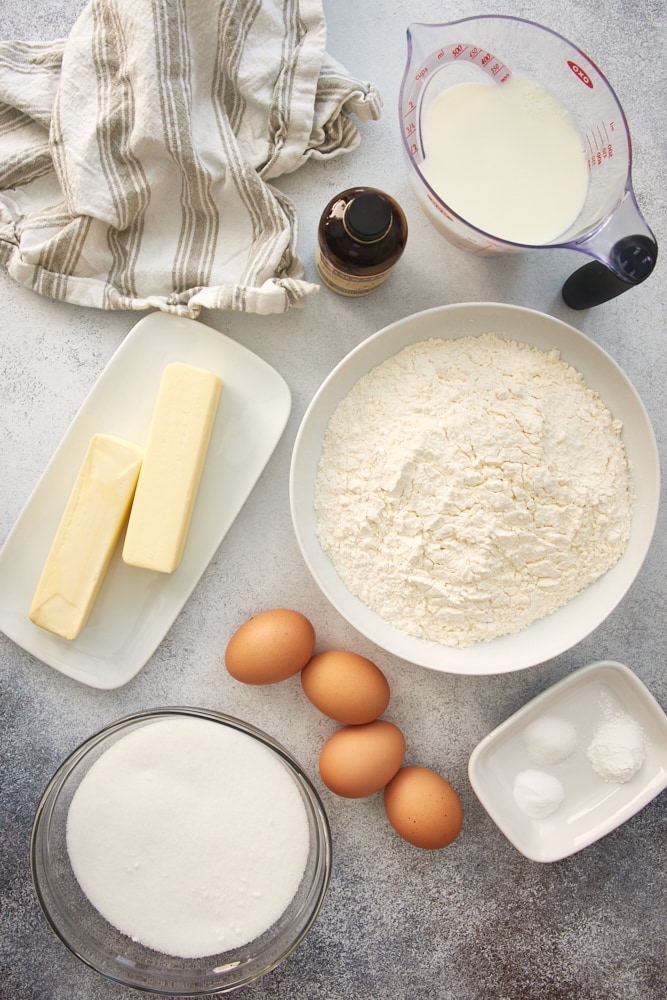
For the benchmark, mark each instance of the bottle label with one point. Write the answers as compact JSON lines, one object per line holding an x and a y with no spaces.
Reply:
{"x":343,"y":283}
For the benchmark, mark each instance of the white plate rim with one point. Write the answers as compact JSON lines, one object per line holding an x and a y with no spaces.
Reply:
{"x":508,"y":653}
{"x":254,"y":408}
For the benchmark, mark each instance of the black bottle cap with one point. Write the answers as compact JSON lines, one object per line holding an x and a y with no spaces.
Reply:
{"x":368,"y":217}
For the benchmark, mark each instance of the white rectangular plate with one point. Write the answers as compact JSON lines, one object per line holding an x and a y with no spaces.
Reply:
{"x":592,"y":807}
{"x":135,"y":607}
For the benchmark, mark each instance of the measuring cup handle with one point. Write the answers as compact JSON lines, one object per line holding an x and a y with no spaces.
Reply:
{"x":632,"y":259}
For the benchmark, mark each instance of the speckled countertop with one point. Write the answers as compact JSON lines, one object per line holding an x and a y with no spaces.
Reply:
{"x":474,"y":922}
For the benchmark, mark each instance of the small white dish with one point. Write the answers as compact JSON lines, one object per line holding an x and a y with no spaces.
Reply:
{"x":567,"y":626}
{"x":592,"y":807}
{"x":135,"y":608}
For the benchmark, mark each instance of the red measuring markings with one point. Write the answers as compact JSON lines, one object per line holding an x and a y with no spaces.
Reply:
{"x":598,"y":158}
{"x":411,"y":127}
{"x":485,"y":60}
{"x":582,"y":74}
{"x":439,"y":206}
{"x":600,"y":144}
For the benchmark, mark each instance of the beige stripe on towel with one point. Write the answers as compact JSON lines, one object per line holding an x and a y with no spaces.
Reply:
{"x":136,"y":156}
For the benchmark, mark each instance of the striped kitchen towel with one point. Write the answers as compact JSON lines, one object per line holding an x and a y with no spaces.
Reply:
{"x":136,"y":156}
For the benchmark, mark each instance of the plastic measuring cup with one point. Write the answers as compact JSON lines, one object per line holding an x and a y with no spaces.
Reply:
{"x":610,"y":227}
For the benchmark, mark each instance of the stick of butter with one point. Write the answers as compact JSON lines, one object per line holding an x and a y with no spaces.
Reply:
{"x":176,"y":449}
{"x":89,"y":530}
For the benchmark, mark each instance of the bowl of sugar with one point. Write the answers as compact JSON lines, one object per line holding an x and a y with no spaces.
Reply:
{"x":475,"y":487}
{"x":181,"y":851}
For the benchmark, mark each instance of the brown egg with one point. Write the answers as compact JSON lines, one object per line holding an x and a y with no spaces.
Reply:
{"x":346,"y":686}
{"x":271,"y":646}
{"x":360,"y":760}
{"x":423,"y":808}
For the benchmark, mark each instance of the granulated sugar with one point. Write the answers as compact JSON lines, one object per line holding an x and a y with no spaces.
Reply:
{"x":188,"y":836}
{"x":469,"y":487}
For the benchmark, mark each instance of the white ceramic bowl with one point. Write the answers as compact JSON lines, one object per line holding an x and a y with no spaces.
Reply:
{"x":564,"y":628}
{"x":114,"y":954}
{"x":592,"y":807}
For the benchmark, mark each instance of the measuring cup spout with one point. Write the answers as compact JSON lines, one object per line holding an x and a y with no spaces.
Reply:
{"x":625,"y":252}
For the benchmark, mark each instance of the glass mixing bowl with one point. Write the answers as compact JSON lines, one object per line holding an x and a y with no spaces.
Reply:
{"x":115,"y":955}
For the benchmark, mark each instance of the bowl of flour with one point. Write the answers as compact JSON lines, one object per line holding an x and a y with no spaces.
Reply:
{"x":475,"y":487}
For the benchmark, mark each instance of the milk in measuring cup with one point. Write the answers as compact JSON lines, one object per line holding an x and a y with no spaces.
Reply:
{"x":506,"y":158}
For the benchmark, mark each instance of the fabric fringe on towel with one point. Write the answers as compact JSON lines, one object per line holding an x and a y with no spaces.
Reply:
{"x":136,"y":155}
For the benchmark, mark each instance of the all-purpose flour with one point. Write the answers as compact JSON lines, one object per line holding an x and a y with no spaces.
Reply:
{"x":469,"y":487}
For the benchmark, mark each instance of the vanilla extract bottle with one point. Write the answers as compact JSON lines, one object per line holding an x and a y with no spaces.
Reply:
{"x":361,"y":236}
